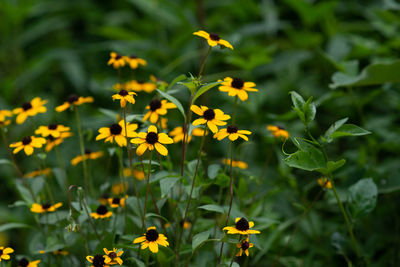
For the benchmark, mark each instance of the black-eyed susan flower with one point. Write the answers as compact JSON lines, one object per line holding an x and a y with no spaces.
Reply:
{"x":242,"y":227}
{"x":117,"y":131}
{"x":101,"y":212}
{"x":325,"y":183}
{"x":28,"y":144}
{"x":119,"y":188}
{"x":116,"y":202}
{"x":244,"y":247}
{"x":211,"y":117}
{"x":213,"y":39}
{"x":46,"y":207}
{"x":51,"y":141}
{"x":151,"y":239}
{"x":74,"y":100}
{"x":97,"y":260}
{"x":156,"y":108}
{"x":134,"y":61}
{"x":4,"y":253}
{"x":124,"y":96}
{"x":35,"y":173}
{"x":104,"y":199}
{"x":157,"y":80}
{"x":112,"y":257}
{"x":24,"y":262}
{"x":60,"y":252}
{"x":278,"y":131}
{"x":235,"y":163}
{"x":89,"y":154}
{"x":3,"y":117}
{"x":142,"y":86}
{"x":52,"y":129}
{"x":150,"y":140}
{"x":177,"y":134}
{"x":140,"y":175}
{"x":116,"y":60}
{"x":233,"y":133}
{"x":29,"y":109}
{"x":237,"y":87}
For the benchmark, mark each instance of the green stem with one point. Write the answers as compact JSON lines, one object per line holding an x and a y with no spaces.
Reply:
{"x":82,"y":147}
{"x":147,"y":191}
{"x":203,"y":63}
{"x":234,"y":110}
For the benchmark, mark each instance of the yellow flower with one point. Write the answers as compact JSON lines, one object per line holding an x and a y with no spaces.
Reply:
{"x":237,"y":87}
{"x":117,"y":61}
{"x":104,"y":199}
{"x":151,"y":239}
{"x":112,"y":257}
{"x":278,"y":132}
{"x":233,"y":133}
{"x":211,"y":117}
{"x":4,"y":253}
{"x":121,"y":86}
{"x":88,"y":155}
{"x":156,"y":108}
{"x":163,"y":122}
{"x":28,"y":144}
{"x":60,"y":252}
{"x":177,"y":134}
{"x":115,"y":202}
{"x":134,"y":61}
{"x":242,"y":227}
{"x":52,"y":129}
{"x":156,"y":80}
{"x":37,"y":173}
{"x":140,"y":175}
{"x":29,"y":109}
{"x":24,"y":262}
{"x":101,"y":212}
{"x":213,"y":39}
{"x":244,"y":247}
{"x":235,"y":163}
{"x":117,"y":132}
{"x":3,"y":114}
{"x":74,"y":100}
{"x":52,"y":142}
{"x":186,"y":224}
{"x":150,"y":140}
{"x":43,"y":208}
{"x":124,"y":96}
{"x":139,"y":86}
{"x":325,"y":183}
{"x":97,"y":260}
{"x":119,"y":188}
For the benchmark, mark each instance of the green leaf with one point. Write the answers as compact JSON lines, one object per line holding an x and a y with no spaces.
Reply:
{"x":333,"y":128}
{"x":138,"y":262}
{"x":363,"y":196}
{"x":166,"y":185}
{"x":331,"y":166}
{"x":376,"y":73}
{"x":309,"y":110}
{"x":9,"y":226}
{"x":349,"y":130}
{"x":297,"y":100}
{"x":192,"y":86}
{"x":213,"y":170}
{"x":173,"y":100}
{"x":308,"y":157}
{"x":176,"y":80}
{"x":200,"y":238}
{"x":204,"y":89}
{"x":211,"y":207}
{"x":109,"y":113}
{"x":5,"y":161}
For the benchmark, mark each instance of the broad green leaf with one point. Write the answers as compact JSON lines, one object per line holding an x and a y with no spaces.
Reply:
{"x":53,"y":244}
{"x":213,"y":170}
{"x":297,"y":100}
{"x":362,"y":197}
{"x":138,"y":262}
{"x":308,"y":157}
{"x":204,"y":89}
{"x":211,"y":207}
{"x":200,"y":238}
{"x":309,"y":111}
{"x":109,"y":113}
{"x":349,"y":130}
{"x":166,"y":185}
{"x":173,"y":100}
{"x":9,"y":226}
{"x":5,"y":161}
{"x":191,"y":85}
{"x":333,"y":128}
{"x":331,"y":166}
{"x":176,"y":80}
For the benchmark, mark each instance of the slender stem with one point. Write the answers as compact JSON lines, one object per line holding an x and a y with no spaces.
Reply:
{"x":90,"y":218}
{"x":185,"y":133}
{"x":203,"y":63}
{"x":147,"y":190}
{"x":234,"y":110}
{"x":121,"y":170}
{"x":82,"y":147}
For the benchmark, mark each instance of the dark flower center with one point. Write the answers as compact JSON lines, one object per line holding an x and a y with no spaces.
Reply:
{"x":237,"y":83}
{"x":46,"y":206}
{"x":141,"y":81}
{"x":242,"y":224}
{"x":280,"y":128}
{"x":88,"y":151}
{"x":104,"y":196}
{"x":232,"y":129}
{"x":23,"y":262}
{"x":27,"y":140}
{"x":214,"y":37}
{"x":26,"y":105}
{"x":72,"y":98}
{"x":151,"y":235}
{"x":116,"y":200}
{"x":123,"y":93}
{"x":115,"y":129}
{"x":112,"y":255}
{"x":98,"y":260}
{"x":209,"y":114}
{"x":52,"y":126}
{"x":1,"y":252}
{"x":101,"y":210}
{"x":151,"y":138}
{"x":133,"y":56}
{"x":155,"y":104}
{"x":118,"y":56}
{"x":245,"y":245}
{"x":51,"y":138}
